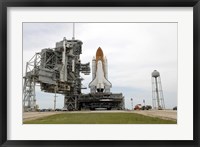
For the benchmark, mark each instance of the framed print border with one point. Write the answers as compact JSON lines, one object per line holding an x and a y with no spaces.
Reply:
{"x":4,"y":4}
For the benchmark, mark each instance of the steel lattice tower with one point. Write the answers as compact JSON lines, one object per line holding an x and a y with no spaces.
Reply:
{"x":157,"y":92}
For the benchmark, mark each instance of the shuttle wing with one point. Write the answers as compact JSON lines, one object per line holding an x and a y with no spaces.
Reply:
{"x":96,"y":82}
{"x":93,"y":83}
{"x":106,"y":82}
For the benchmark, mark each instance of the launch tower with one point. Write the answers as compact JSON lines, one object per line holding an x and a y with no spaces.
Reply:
{"x":56,"y":70}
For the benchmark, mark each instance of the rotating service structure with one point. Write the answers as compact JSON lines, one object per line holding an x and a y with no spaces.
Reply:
{"x":56,"y":70}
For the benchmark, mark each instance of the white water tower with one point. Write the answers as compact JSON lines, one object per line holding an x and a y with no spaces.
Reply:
{"x":157,"y":93}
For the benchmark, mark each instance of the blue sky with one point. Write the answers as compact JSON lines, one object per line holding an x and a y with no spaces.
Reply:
{"x":133,"y":51}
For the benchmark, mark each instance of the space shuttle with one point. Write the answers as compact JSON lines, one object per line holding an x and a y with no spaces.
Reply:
{"x":100,"y":81}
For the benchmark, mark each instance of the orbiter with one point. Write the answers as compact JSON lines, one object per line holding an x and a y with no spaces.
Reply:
{"x":100,"y":81}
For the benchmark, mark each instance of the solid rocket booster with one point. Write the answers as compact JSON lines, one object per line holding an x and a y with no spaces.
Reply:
{"x":106,"y":67}
{"x":100,"y":82}
{"x":93,"y":67}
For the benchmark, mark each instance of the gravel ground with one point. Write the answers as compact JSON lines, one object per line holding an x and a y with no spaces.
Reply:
{"x":163,"y":114}
{"x":36,"y":115}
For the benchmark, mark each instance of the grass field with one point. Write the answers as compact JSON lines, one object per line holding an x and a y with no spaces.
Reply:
{"x":99,"y":118}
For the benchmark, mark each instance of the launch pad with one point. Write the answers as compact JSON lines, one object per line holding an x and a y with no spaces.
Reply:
{"x":57,"y":70}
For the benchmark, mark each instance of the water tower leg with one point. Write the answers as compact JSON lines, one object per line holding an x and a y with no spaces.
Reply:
{"x":157,"y":94}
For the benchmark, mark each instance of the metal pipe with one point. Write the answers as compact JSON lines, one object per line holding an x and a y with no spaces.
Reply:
{"x":157,"y":92}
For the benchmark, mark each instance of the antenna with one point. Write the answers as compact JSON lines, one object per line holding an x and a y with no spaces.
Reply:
{"x":73,"y":38}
